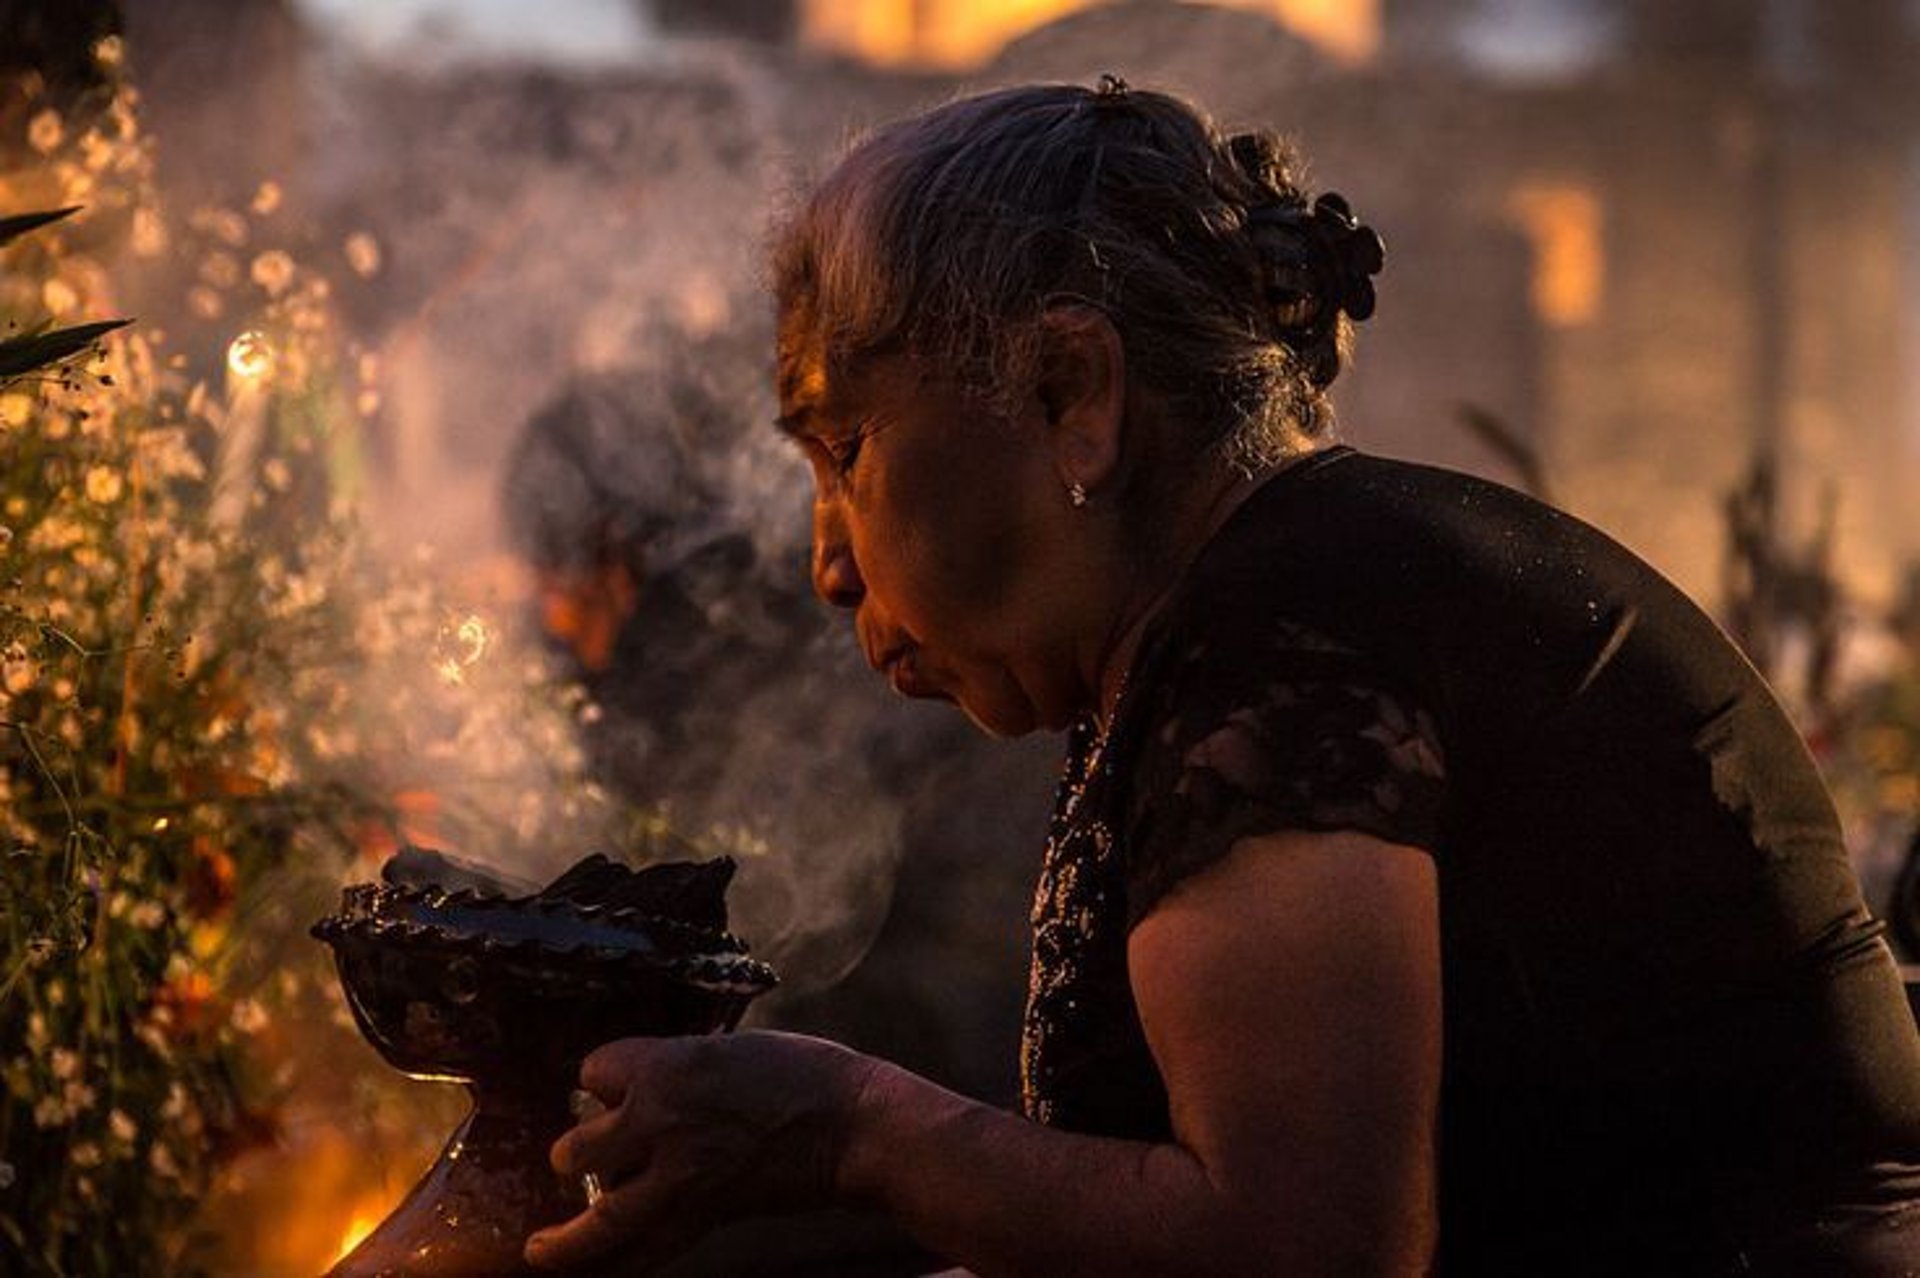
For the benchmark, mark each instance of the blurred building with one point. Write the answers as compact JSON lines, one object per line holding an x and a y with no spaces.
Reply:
{"x":1718,"y":205}
{"x":1642,"y":239}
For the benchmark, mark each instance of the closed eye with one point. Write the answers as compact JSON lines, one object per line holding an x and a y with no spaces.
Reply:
{"x":836,"y":454}
{"x":830,"y":458}
{"x":845,"y":452}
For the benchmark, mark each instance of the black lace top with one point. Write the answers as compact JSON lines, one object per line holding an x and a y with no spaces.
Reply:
{"x":1673,"y":1036}
{"x":1296,"y":731}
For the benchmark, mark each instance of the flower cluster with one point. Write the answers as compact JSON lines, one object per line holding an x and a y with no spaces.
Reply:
{"x":217,"y":700}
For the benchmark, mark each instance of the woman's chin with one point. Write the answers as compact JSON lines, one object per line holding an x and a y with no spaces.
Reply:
{"x":998,"y":719}
{"x":1000,"y":709}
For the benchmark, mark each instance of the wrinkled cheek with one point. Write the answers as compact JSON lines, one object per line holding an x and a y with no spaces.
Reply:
{"x":961,"y":542}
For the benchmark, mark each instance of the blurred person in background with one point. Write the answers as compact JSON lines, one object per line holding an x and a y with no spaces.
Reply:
{"x":644,"y":579}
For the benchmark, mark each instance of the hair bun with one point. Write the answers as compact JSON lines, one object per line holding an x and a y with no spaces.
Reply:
{"x":1356,"y":250}
{"x":1329,"y":262}
{"x":1264,"y":159}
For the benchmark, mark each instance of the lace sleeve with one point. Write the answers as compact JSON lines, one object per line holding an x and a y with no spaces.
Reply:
{"x":1291,"y":731}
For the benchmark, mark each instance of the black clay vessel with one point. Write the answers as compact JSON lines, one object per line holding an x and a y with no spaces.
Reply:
{"x":454,"y":975}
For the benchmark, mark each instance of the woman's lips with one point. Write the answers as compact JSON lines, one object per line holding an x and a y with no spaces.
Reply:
{"x":904,"y":673}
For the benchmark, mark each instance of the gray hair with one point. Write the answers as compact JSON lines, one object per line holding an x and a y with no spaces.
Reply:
{"x":949,"y":234}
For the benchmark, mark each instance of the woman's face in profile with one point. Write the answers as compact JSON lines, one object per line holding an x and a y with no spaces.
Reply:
{"x":934,"y":522}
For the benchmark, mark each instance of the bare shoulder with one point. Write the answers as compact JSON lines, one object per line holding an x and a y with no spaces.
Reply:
{"x":1290,"y":993}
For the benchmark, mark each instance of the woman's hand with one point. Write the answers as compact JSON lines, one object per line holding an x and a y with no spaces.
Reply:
{"x":699,"y":1131}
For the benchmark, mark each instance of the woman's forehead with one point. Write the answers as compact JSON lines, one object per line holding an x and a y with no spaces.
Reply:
{"x":815,"y":387}
{"x":800,"y":360}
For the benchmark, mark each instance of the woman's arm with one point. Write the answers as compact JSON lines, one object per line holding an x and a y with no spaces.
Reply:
{"x":1291,"y":996}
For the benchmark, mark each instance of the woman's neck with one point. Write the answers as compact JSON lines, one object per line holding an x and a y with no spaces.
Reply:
{"x":1193,"y":525}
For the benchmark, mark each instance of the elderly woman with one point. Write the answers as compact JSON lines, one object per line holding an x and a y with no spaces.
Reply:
{"x":1431,"y":883}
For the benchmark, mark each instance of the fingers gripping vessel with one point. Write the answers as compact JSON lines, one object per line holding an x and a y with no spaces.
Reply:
{"x":452,"y":976}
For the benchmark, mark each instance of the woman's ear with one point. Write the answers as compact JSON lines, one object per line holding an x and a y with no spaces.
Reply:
{"x":1082,"y":390}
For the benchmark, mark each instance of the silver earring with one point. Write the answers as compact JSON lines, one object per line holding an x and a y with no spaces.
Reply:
{"x":1077,"y":495}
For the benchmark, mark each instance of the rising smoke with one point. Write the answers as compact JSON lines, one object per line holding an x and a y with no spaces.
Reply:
{"x":568,"y":327}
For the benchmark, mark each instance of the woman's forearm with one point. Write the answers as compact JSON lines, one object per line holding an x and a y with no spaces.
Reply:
{"x":1005,"y":1196}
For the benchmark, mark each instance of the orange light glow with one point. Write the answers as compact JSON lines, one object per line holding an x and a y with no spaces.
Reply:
{"x":883,"y":33}
{"x":1562,"y":221}
{"x":301,"y":1204}
{"x":1348,"y":30}
{"x":364,"y":1223}
{"x":415,"y":819}
{"x":961,"y":34}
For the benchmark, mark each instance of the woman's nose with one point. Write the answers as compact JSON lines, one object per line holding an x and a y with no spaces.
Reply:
{"x":836,"y":578}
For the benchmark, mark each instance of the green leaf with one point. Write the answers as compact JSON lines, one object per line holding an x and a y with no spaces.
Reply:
{"x":24,"y":354}
{"x":12,"y":228}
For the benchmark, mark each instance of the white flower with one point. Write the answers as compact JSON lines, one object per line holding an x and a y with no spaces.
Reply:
{"x":58,"y":296}
{"x":248,"y":1016}
{"x":205,"y":304}
{"x":45,"y":131}
{"x":57,"y":532}
{"x":49,"y":1112}
{"x":168,"y":455}
{"x":160,"y":1159}
{"x":149,"y":233}
{"x":104,"y":485}
{"x":85,"y":1154}
{"x":124,"y":1129}
{"x":220,"y":269}
{"x":224,"y":224}
{"x":75,"y":182}
{"x":363,"y":254}
{"x":96,"y":152}
{"x":6,"y":1174}
{"x":65,"y":1063}
{"x":155,"y":1037}
{"x":147,"y":915}
{"x":272,"y":271}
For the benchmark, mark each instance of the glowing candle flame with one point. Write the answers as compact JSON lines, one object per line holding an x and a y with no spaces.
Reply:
{"x":250,"y":356}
